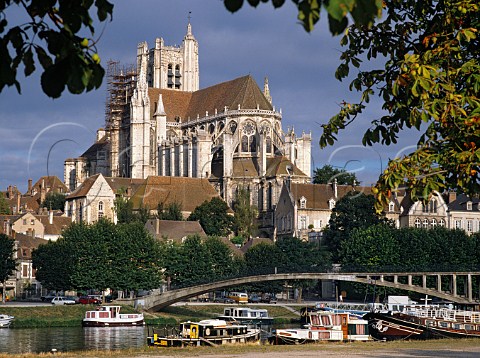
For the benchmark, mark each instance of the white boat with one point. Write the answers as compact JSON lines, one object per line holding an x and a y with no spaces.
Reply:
{"x":247,"y":315}
{"x":205,"y":332}
{"x":5,"y":320}
{"x":105,"y":316}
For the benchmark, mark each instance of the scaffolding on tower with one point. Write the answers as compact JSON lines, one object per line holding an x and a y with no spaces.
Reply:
{"x":121,"y":82}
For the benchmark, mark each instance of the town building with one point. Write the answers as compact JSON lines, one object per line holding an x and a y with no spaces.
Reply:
{"x":160,"y":123}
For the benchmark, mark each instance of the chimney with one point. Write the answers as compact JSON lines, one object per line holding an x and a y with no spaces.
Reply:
{"x":18,"y":202}
{"x":129,"y":192}
{"x":42,"y":191}
{"x":10,"y":192}
{"x":452,"y":196}
{"x":50,"y":217}
{"x":30,"y":186}
{"x":335,"y":189}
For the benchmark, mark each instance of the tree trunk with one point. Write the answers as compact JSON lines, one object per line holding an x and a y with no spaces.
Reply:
{"x":299,"y":296}
{"x":4,"y":292}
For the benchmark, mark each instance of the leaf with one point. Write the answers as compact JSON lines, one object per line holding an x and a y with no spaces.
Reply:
{"x":28,"y":62}
{"x":233,"y":5}
{"x":278,"y":3}
{"x":53,"y":80}
{"x":336,"y":27}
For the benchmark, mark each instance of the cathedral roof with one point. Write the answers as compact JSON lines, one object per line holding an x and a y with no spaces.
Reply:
{"x":91,"y":153}
{"x":188,"y":192}
{"x":242,"y":91}
{"x":278,"y":166}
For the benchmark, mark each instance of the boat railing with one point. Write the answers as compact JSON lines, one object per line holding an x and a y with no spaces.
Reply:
{"x":447,"y":314}
{"x":130,"y":315}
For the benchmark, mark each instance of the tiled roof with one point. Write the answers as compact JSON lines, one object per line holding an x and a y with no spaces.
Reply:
{"x":52,"y":183}
{"x":175,"y":230}
{"x":91,"y":153}
{"x":28,"y":242}
{"x":58,"y":224}
{"x":84,"y":188}
{"x":245,"y":167}
{"x":121,"y":184}
{"x":318,"y":195}
{"x":278,"y":166}
{"x":460,"y":203}
{"x":188,"y":192}
{"x":242,"y":91}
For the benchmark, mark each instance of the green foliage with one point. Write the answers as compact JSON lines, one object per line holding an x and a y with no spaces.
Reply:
{"x":52,"y":272}
{"x":245,"y":214}
{"x":51,"y":35}
{"x":428,"y":79}
{"x":126,"y":214}
{"x":197,"y":261}
{"x":327,"y":174}
{"x":100,"y":256}
{"x":354,"y":210}
{"x":7,"y":261}
{"x":4,"y":205}
{"x":237,"y":240}
{"x":172,"y":211}
{"x":363,"y":12}
{"x":213,"y":217}
{"x":54,"y":201}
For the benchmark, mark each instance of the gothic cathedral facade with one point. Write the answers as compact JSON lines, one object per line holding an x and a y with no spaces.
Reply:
{"x":160,"y":123}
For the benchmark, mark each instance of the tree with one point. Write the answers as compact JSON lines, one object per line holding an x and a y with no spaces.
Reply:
{"x":126,"y":214}
{"x":4,"y":206}
{"x":428,"y":78}
{"x":52,"y":272}
{"x":51,"y":34}
{"x":213,"y":217}
{"x":54,"y":201}
{"x":7,"y":262}
{"x":245,"y":214}
{"x":354,"y":210}
{"x":173,"y":211}
{"x":363,"y":12}
{"x":327,"y":174}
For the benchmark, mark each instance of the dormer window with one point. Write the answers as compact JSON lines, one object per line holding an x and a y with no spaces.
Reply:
{"x":391,"y":207}
{"x":331,"y":204}
{"x":469,"y":205}
{"x":303,"y":202}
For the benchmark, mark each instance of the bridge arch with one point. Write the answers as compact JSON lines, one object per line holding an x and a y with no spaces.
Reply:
{"x":157,"y":302}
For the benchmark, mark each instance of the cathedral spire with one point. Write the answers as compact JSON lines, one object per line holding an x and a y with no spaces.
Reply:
{"x":189,"y":27}
{"x":266,"y":91}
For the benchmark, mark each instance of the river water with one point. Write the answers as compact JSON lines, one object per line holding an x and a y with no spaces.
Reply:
{"x":62,"y":339}
{"x":37,"y":340}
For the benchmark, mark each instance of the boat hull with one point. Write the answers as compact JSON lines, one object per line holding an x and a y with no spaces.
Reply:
{"x":253,"y":335}
{"x":92,"y":323}
{"x":398,"y":326}
{"x":303,"y":335}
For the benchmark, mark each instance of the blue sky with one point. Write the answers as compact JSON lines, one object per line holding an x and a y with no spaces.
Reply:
{"x":38,"y":133}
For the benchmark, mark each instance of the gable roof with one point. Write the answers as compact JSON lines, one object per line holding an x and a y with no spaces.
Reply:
{"x":174,"y":230}
{"x":84,"y":188}
{"x":58,"y":224}
{"x":188,"y":192}
{"x":242,"y":91}
{"x":255,"y":241}
{"x":91,"y":152}
{"x":460,"y":203}
{"x":318,"y":195}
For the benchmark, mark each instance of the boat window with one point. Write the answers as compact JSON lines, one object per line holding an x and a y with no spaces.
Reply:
{"x":430,"y":323}
{"x":325,"y":321}
{"x":315,"y":320}
{"x":457,"y":326}
{"x":443,"y":324}
{"x":469,"y":327}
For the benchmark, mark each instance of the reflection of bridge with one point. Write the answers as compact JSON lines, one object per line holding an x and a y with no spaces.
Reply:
{"x":401,"y":280}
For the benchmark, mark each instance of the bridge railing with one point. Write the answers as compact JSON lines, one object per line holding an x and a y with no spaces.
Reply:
{"x":325,"y":269}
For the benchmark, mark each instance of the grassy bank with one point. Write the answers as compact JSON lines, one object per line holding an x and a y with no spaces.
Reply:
{"x":432,"y":348}
{"x":71,"y":316}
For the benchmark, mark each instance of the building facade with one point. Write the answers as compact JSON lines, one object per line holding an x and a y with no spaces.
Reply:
{"x":160,"y":123}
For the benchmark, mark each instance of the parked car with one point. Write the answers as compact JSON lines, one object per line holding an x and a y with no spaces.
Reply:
{"x":268,"y":298}
{"x":89,"y":300}
{"x":47,"y":299}
{"x":254,"y":298}
{"x":61,"y":300}
{"x":224,"y":300}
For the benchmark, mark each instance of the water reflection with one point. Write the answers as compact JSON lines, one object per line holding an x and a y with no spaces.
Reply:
{"x":36,"y":340}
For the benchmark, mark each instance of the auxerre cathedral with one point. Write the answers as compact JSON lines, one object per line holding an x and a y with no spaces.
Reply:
{"x":160,"y":123}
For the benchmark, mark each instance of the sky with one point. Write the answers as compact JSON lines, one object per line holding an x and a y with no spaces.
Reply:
{"x":38,"y":133}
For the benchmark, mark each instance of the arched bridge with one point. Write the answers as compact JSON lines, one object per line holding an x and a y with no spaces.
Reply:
{"x":157,"y":302}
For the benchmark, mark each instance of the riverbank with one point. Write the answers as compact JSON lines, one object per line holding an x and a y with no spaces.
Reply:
{"x":71,"y":316}
{"x":465,"y":348}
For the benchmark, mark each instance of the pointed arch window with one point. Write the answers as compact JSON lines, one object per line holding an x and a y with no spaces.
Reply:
{"x":249,"y":141}
{"x":269,"y":145}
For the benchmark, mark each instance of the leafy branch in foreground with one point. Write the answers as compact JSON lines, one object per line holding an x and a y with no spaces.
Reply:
{"x":52,"y":35}
{"x":430,"y":80}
